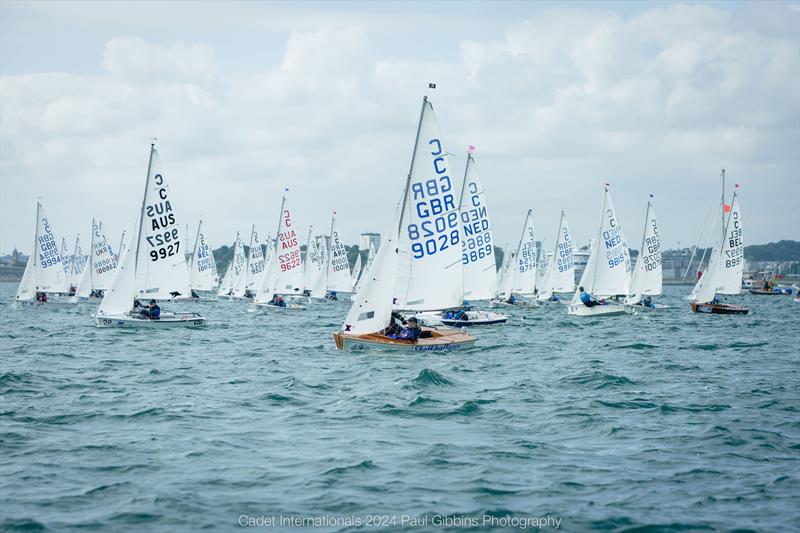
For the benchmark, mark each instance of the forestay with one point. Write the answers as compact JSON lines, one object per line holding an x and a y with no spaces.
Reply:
{"x":477,"y":245}
{"x":160,"y":258}
{"x":430,"y":275}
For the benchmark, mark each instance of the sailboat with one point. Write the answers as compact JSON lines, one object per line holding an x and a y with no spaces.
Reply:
{"x":726,"y":265}
{"x":560,"y":274}
{"x":235,"y":268}
{"x":339,"y":278}
{"x":44,"y":272}
{"x":608,"y":272}
{"x":284,"y":275}
{"x":646,"y":279}
{"x":99,"y":271}
{"x":418,"y":266}
{"x":202,"y":267}
{"x":153,"y":265}
{"x":520,"y":277}
{"x":76,"y":267}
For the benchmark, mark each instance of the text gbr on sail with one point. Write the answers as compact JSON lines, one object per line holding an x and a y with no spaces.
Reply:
{"x":435,"y":209}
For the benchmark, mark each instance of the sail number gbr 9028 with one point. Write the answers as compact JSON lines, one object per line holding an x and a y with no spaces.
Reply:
{"x":435,"y":209}
{"x":160,"y":214}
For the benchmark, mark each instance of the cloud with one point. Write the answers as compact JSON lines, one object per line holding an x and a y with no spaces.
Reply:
{"x":557,"y":102}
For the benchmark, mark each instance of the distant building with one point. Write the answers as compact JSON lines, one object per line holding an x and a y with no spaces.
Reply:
{"x":369,"y":238}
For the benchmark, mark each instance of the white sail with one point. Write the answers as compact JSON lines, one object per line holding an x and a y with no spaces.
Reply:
{"x":339,"y":279}
{"x":731,"y":264}
{"x":372,"y":307}
{"x":525,"y":266}
{"x":160,"y":256}
{"x":430,"y":271}
{"x":309,"y":271}
{"x":123,"y":243}
{"x":647,"y":277}
{"x":103,"y":261}
{"x":285,"y":268}
{"x":48,"y":270}
{"x":319,"y":283}
{"x":367,"y":267}
{"x":66,"y":259}
{"x":118,"y":299}
{"x":356,"y":273}
{"x":561,"y":272}
{"x":506,"y":285}
{"x":27,"y":285}
{"x":77,"y":265}
{"x":477,"y":244}
{"x":609,"y":263}
{"x":203,"y":269}
{"x":256,"y":268}
{"x":235,"y":268}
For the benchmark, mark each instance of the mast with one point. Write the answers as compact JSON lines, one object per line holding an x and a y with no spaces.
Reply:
{"x":308,"y":249}
{"x":34,"y":251}
{"x":91,"y":256}
{"x":411,"y":167}
{"x":121,"y":240}
{"x":194,"y":248}
{"x":280,"y":214}
{"x":723,"y":205}
{"x":144,"y":201}
{"x":464,"y":183}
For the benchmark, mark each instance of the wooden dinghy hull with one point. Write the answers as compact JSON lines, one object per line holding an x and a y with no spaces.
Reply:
{"x":719,"y":309}
{"x":441,"y":340}
{"x":613,"y":309}
{"x":167,"y":320}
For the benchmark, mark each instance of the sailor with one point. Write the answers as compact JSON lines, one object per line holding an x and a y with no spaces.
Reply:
{"x":460,"y":315}
{"x":277,"y":300}
{"x":648,"y":302}
{"x":512,"y":299}
{"x":194,"y":294}
{"x":153,"y":311}
{"x":411,"y":332}
{"x":332,"y":295}
{"x":587,"y":299}
{"x":41,"y":297}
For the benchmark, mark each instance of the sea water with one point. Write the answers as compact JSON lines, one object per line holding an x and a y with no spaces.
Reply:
{"x":665,"y":421}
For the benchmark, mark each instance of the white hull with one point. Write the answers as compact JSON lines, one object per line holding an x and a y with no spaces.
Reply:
{"x":611,"y":309}
{"x":167,"y":320}
{"x":287,"y":307}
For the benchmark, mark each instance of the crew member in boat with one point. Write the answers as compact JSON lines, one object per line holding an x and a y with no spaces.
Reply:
{"x":589,"y":300}
{"x":41,"y":297}
{"x":458,"y":314}
{"x":332,"y":295}
{"x":647,"y":301}
{"x":194,"y":294}
{"x":512,"y":299}
{"x":277,"y":300}
{"x":411,"y":332}
{"x":152,"y":311}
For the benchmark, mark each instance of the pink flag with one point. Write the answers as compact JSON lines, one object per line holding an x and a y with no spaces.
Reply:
{"x":470,"y":148}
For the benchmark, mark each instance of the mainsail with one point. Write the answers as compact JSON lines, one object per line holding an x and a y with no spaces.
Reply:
{"x":477,"y":245}
{"x":608,"y":269}
{"x":160,"y":256}
{"x":285,"y":269}
{"x":203,"y":269}
{"x":525,"y":266}
{"x":339,"y":279}
{"x":235,"y":268}
{"x":430,"y":272}
{"x":560,"y":276}
{"x":255,"y":264}
{"x":646,"y":279}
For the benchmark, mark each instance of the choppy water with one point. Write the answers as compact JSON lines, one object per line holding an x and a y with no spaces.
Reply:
{"x":665,"y":421}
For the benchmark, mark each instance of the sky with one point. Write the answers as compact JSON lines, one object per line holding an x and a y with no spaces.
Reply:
{"x":246,"y":99}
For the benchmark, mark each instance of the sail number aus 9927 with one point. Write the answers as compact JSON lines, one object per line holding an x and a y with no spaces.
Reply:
{"x":167,"y":244}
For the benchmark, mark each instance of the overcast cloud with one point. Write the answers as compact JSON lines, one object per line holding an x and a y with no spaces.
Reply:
{"x":249,"y":98}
